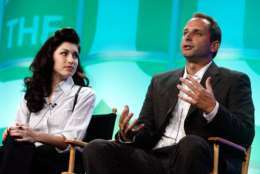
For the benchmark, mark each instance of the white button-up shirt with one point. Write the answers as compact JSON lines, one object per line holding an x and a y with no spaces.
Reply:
{"x":175,"y":129}
{"x":57,"y":118}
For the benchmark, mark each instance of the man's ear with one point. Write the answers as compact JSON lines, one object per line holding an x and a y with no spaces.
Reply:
{"x":214,"y":46}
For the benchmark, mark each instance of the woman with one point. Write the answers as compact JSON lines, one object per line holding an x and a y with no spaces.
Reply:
{"x":50,"y":111}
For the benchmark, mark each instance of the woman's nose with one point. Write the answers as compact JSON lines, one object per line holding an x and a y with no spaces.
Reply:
{"x":70,"y":58}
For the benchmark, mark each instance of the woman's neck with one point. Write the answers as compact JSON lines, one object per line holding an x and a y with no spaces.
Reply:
{"x":55,"y":82}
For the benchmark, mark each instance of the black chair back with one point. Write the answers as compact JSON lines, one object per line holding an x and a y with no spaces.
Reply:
{"x":100,"y":127}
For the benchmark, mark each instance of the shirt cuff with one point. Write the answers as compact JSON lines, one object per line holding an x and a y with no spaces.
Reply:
{"x":209,"y":117}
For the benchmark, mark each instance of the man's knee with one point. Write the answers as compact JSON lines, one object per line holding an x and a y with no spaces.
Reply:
{"x":192,"y":144}
{"x":95,"y":146}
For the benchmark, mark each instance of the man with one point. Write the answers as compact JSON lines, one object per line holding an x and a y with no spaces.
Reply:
{"x":181,"y":110}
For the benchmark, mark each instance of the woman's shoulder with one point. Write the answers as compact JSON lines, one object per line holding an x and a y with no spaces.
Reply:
{"x":85,"y":91}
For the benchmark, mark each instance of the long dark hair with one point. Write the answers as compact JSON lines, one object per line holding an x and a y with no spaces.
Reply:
{"x":39,"y":85}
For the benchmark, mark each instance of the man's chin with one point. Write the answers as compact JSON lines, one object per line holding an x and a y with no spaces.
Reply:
{"x":189,"y":56}
{"x":191,"y":59}
{"x":196,"y":59}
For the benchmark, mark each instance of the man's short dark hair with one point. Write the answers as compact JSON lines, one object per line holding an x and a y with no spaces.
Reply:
{"x":214,"y":29}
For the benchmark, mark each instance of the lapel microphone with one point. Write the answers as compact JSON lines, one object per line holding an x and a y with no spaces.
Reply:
{"x":53,"y":105}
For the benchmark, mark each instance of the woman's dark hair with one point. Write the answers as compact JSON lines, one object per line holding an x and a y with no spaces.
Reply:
{"x":39,"y":85}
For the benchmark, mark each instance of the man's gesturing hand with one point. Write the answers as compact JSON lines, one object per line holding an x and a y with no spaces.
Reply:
{"x":197,"y":95}
{"x":127,"y":131}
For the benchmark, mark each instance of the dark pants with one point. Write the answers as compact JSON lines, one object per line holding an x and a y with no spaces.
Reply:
{"x":191,"y":155}
{"x":25,"y":158}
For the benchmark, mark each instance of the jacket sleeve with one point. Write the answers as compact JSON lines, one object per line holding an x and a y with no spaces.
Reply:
{"x":147,"y":137}
{"x":235,"y":120}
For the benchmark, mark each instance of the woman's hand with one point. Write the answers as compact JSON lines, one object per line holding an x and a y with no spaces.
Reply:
{"x":5,"y":133}
{"x":23,"y":133}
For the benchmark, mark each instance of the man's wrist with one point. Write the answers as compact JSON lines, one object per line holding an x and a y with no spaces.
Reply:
{"x":123,"y":140}
{"x":209,"y":116}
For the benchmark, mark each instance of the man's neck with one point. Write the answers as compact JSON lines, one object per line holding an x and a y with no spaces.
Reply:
{"x":193,"y":67}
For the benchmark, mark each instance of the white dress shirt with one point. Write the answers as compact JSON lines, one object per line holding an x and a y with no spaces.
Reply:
{"x":175,"y":129}
{"x":57,"y":118}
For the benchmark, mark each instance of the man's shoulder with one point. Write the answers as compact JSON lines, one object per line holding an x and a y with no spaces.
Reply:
{"x":168,"y":78}
{"x":169,"y":74}
{"x":226,"y":72}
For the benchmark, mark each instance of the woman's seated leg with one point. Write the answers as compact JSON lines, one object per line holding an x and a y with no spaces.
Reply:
{"x":16,"y":157}
{"x":48,"y":160}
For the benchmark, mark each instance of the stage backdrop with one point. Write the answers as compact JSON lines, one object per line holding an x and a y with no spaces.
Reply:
{"x":124,"y":43}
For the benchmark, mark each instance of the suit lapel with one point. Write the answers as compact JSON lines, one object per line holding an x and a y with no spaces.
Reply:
{"x":172,"y":93}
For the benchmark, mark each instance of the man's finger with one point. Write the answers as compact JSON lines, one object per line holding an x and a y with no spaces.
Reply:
{"x":137,"y":128}
{"x":125,"y":122}
{"x":189,"y":85}
{"x":187,"y":99}
{"x":193,"y":80}
{"x":124,"y":113}
{"x":186,"y":91}
{"x":208,"y":85}
{"x":21,"y":139}
{"x":123,"y":116}
{"x":15,"y":134}
{"x":132,"y":125}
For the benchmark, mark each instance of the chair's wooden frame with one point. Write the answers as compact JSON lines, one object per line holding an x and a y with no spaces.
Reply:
{"x":217,"y":141}
{"x":73,"y":144}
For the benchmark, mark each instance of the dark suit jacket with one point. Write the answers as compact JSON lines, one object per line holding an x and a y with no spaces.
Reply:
{"x":233,"y":121}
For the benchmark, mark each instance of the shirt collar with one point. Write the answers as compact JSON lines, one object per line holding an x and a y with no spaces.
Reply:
{"x":65,"y":85}
{"x":198,"y":75}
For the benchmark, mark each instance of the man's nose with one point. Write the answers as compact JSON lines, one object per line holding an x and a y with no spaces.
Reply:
{"x":188,"y":36}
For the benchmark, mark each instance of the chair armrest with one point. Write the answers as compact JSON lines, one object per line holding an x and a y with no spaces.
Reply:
{"x":220,"y":140}
{"x":76,"y":143}
{"x":73,"y":144}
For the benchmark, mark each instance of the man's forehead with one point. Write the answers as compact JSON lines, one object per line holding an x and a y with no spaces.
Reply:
{"x":196,"y":20}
